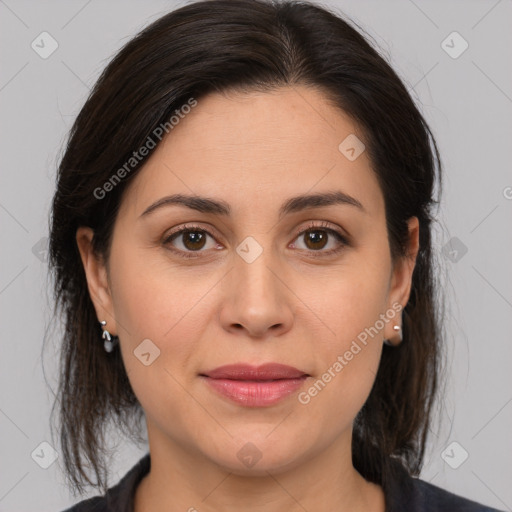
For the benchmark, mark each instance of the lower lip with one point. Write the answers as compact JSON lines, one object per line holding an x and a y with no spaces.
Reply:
{"x":256,"y":393}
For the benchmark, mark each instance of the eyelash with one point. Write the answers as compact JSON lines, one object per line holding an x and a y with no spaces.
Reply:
{"x":324,"y":226}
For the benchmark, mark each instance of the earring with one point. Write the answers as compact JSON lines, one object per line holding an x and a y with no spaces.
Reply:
{"x":397,"y":329}
{"x":108,"y":342}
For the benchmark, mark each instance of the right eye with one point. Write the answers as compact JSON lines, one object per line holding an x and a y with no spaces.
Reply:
{"x":191,"y":238}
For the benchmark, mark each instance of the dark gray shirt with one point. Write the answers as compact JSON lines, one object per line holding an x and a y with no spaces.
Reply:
{"x":403,"y":494}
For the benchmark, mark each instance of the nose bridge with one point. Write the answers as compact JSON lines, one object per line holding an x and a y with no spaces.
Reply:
{"x":257,"y":298}
{"x":252,"y":273}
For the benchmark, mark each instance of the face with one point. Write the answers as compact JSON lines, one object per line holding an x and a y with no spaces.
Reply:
{"x":257,"y":279}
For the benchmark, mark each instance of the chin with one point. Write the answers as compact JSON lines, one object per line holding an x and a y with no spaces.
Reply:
{"x":257,"y":453}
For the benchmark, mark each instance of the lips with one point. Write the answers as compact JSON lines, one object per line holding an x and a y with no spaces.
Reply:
{"x":269,"y":371}
{"x":252,"y":386}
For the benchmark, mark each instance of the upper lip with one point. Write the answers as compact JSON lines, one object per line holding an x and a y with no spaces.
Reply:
{"x":269,"y":371}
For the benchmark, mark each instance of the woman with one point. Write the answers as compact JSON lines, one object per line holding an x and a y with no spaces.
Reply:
{"x":241,"y":247}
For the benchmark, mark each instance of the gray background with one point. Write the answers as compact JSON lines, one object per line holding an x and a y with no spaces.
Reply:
{"x":468,"y":103}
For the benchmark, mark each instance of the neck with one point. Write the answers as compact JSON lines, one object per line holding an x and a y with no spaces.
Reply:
{"x":181,"y":480}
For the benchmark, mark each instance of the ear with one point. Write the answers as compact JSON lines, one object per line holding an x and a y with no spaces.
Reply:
{"x":97,"y":278}
{"x":401,"y":279}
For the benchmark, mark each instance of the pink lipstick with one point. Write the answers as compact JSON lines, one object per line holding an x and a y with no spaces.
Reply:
{"x":255,"y":386}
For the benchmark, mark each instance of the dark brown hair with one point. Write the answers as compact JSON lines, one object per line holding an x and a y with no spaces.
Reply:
{"x":245,"y":45}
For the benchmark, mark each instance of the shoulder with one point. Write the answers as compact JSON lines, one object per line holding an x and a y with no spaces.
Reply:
{"x":409,"y":494}
{"x":118,"y":498}
{"x":96,"y":504}
{"x":434,"y":498}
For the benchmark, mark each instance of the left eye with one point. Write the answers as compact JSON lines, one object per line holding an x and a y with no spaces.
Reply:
{"x":317,"y":238}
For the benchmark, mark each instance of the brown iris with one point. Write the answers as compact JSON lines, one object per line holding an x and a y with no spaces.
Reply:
{"x":196,"y":238}
{"x":317,"y":237}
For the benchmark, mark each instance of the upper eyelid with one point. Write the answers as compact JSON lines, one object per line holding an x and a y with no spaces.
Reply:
{"x":189,"y":227}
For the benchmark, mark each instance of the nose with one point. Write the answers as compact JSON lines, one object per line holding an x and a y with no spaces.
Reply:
{"x":257,"y":300}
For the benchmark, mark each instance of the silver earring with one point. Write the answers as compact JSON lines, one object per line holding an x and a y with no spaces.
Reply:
{"x":397,"y":329}
{"x":108,"y":342}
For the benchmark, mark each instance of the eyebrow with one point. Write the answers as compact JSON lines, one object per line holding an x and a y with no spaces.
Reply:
{"x":292,"y":205}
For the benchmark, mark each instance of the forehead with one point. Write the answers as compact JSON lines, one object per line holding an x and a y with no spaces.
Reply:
{"x":256,"y":148}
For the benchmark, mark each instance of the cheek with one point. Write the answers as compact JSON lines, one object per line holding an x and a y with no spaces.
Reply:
{"x":152,"y":297}
{"x":349,"y":301}
{"x":348,"y":344}
{"x":158,"y":303}
{"x":347,"y":361}
{"x":156,"y":299}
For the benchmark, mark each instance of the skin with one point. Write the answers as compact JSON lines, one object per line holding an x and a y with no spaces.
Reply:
{"x":252,"y":150}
